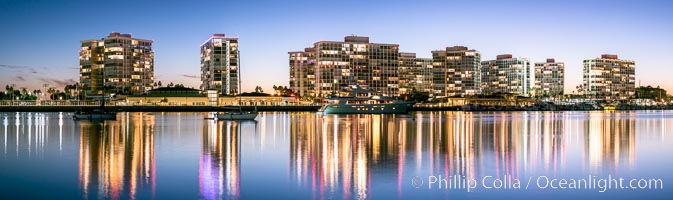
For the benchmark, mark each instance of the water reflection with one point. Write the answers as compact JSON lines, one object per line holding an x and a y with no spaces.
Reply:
{"x":342,"y":155}
{"x":304,"y":155}
{"x":29,"y":134}
{"x":116,"y":158}
{"x":219,"y":165}
{"x":610,"y":142}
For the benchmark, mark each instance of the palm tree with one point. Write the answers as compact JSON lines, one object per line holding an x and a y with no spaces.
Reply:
{"x":24,"y":94}
{"x":10,"y":91}
{"x":84,"y":89}
{"x":67,"y":89}
{"x":78,"y":90}
{"x":51,"y":92}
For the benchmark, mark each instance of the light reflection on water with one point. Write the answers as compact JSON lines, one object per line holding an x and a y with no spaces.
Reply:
{"x":116,"y":158}
{"x":305,"y":155}
{"x":219,"y":166}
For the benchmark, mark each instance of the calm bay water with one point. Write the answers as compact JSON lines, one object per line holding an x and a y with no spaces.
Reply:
{"x":310,"y":156}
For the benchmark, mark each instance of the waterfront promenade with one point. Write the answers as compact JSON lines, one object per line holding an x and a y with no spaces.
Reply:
{"x":72,"y":106}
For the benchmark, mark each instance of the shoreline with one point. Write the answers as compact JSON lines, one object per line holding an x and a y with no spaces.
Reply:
{"x":284,"y":108}
{"x":155,"y":108}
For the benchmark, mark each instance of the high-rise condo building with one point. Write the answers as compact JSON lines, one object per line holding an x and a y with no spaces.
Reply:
{"x":456,"y":71}
{"x":116,"y":64}
{"x":302,"y":72}
{"x":506,"y":75}
{"x":220,"y":64}
{"x":608,"y":77}
{"x":414,"y":73}
{"x":355,"y":61}
{"x":549,"y":77}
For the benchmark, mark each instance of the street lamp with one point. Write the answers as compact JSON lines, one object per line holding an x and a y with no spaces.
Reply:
{"x":12,"y":95}
{"x":44,"y":86}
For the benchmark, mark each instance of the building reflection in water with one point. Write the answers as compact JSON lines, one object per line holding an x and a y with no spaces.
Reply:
{"x":116,"y":158}
{"x":336,"y":156}
{"x":341,"y":155}
{"x":219,"y":164}
{"x":609,"y":141}
{"x":5,"y":122}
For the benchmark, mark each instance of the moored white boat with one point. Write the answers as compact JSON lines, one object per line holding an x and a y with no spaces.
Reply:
{"x":363,"y":101}
{"x":239,"y":114}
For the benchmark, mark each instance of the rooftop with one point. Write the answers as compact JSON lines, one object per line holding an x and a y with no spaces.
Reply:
{"x":353,"y":39}
{"x":503,"y":56}
{"x":407,"y":55}
{"x":456,"y":48}
{"x":609,"y":56}
{"x":362,"y":39}
{"x":118,"y":35}
{"x":219,"y":36}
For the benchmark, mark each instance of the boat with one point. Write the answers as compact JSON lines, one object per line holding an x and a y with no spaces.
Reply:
{"x":471,"y":107}
{"x":611,"y":106}
{"x":361,"y":101}
{"x":238,"y":114}
{"x":96,"y":114}
{"x":99,"y":113}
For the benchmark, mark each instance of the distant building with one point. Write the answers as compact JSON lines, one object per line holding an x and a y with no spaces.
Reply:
{"x":414,"y":73}
{"x":549,"y":77}
{"x":506,"y":75}
{"x":220,"y":64}
{"x":302,"y":72}
{"x":456,"y":71}
{"x":194,"y":97}
{"x":116,"y":64}
{"x":355,"y":61}
{"x":174,"y":92}
{"x":608,"y":77}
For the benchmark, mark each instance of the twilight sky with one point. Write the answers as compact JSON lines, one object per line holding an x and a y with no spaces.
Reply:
{"x":39,"y":41}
